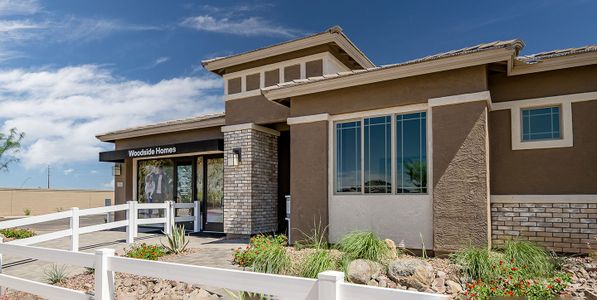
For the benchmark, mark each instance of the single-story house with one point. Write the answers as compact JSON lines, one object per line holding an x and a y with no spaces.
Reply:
{"x":470,"y":146}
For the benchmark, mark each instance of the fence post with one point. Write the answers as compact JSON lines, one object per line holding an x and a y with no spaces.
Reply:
{"x":329,"y":285}
{"x":197,"y":221}
{"x":104,"y":278}
{"x":135,"y":218}
{"x":109,"y":215}
{"x":169,"y":216}
{"x":74,"y":227}
{"x":130,"y":228}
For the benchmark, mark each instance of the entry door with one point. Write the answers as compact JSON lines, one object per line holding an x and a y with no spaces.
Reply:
{"x":214,"y":210}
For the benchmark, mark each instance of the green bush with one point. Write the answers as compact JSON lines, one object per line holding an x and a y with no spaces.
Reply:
{"x":145,"y":251}
{"x":317,"y":262}
{"x":365,"y":245}
{"x":510,"y":281}
{"x":477,"y":263}
{"x":317,"y":238}
{"x":17,"y":233}
{"x":177,"y":240}
{"x":257,"y":244}
{"x":532,"y":259}
{"x":55,"y":274}
{"x":272,"y":259}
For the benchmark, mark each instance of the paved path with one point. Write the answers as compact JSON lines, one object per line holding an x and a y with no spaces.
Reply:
{"x":213,"y":251}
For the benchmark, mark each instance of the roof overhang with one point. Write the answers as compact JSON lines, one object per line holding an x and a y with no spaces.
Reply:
{"x":333,"y":35}
{"x":162,"y":150}
{"x":506,"y":55}
{"x":161,"y":128}
{"x":554,"y":63}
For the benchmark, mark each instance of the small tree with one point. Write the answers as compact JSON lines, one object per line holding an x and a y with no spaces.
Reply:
{"x":10,"y":142}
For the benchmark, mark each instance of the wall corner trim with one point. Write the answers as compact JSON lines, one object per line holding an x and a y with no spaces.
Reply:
{"x":252,"y":126}
{"x":462,"y":98}
{"x":308,"y":119}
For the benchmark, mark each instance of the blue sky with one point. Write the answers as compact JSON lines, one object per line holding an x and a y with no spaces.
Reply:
{"x":72,"y":69}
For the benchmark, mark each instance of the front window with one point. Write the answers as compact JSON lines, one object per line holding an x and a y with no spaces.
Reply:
{"x":541,"y":124}
{"x":381,"y":149}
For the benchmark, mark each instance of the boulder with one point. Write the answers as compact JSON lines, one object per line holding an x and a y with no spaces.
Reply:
{"x":362,"y":270}
{"x":453,"y":287}
{"x":412,"y":273}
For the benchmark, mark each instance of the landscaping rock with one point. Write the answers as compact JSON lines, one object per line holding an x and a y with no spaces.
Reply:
{"x":439,"y":285}
{"x":392,"y":246}
{"x":453,"y":287}
{"x":362,"y":270}
{"x":412,"y":273}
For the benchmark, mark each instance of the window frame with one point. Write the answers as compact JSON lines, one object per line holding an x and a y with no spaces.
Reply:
{"x":522,"y":109}
{"x":393,"y":154}
{"x":566,"y":134}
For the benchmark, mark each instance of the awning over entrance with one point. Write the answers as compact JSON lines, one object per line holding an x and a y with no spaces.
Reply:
{"x":162,"y":150}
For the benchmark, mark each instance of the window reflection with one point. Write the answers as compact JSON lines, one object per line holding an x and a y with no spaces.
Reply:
{"x":378,"y":149}
{"x":411,"y":153}
{"x":348,"y":157}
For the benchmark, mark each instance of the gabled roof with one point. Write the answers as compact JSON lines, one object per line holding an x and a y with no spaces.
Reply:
{"x":195,"y":122}
{"x":513,"y":46}
{"x":332,"y":35}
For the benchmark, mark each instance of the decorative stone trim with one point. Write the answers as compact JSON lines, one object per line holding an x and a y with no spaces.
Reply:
{"x":232,"y":128}
{"x":561,"y":227}
{"x":584,"y":198}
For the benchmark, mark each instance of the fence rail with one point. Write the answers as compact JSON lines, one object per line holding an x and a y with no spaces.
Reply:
{"x":330,"y":285}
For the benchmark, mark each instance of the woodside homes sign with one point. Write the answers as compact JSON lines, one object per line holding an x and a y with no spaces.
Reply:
{"x":162,"y":150}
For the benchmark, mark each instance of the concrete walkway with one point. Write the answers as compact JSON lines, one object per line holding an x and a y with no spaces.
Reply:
{"x":213,"y":251}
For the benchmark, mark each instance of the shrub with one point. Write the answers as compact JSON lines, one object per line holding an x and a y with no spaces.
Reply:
{"x":477,"y":263}
{"x":258,"y":243}
{"x":272,"y":259}
{"x":315,"y":239}
{"x":27,"y":211}
{"x":365,"y":245}
{"x":55,"y":274}
{"x":177,"y":240}
{"x":145,"y":251}
{"x":511,"y":281}
{"x":17,"y":233}
{"x":317,"y":262}
{"x":537,"y":260}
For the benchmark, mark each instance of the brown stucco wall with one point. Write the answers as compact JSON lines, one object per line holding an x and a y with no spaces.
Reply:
{"x":543,"y":84}
{"x":308,"y":177}
{"x":460,"y":170}
{"x":392,"y":93}
{"x":171,"y":138}
{"x":545,"y":171}
{"x":334,"y":50}
{"x":256,"y":110}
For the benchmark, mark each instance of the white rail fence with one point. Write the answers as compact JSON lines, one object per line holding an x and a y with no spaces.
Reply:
{"x":330,"y":285}
{"x":132,"y":208}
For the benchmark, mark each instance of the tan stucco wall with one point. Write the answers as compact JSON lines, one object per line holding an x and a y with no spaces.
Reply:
{"x":170,"y":138}
{"x":256,"y":110}
{"x":411,"y":90}
{"x":13,"y":202}
{"x":460,"y":170}
{"x":545,"y":171}
{"x":543,"y":84}
{"x":308,"y":177}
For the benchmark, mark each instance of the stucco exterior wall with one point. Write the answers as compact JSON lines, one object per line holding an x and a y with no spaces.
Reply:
{"x":545,"y":171}
{"x":405,"y":91}
{"x":460,"y":176}
{"x":256,"y":110}
{"x":308,"y":177}
{"x":14,"y":202}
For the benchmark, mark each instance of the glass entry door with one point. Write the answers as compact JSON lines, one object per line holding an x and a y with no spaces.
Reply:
{"x":210,"y":191}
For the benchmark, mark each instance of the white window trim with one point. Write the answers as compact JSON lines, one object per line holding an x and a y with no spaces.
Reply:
{"x":566,"y":139}
{"x":406,"y":109}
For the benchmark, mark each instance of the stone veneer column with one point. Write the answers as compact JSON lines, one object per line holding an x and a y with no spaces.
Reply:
{"x":460,"y":176}
{"x":251,"y":187}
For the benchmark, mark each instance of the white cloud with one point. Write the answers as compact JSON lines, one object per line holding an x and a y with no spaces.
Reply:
{"x":251,"y":26}
{"x":109,"y":184}
{"x":161,"y":60}
{"x":61,"y":110}
{"x":93,"y":172}
{"x":19,"y":7}
{"x":68,"y":171}
{"x":86,"y":29}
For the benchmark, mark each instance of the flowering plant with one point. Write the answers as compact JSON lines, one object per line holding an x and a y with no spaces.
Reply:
{"x":510,"y":281}
{"x":258,"y":244}
{"x":145,"y":251}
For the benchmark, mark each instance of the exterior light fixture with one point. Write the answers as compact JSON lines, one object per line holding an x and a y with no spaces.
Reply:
{"x":116,"y":170}
{"x":234,"y":157}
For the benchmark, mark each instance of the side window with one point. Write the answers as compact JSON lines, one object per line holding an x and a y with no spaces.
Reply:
{"x":411,"y":156}
{"x":348,"y":157}
{"x":541,"y":124}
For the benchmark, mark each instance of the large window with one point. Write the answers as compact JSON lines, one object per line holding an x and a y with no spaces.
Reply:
{"x":411,"y":156}
{"x":378,"y":155}
{"x":406,"y":150}
{"x":348,"y":154}
{"x":541,"y":124}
